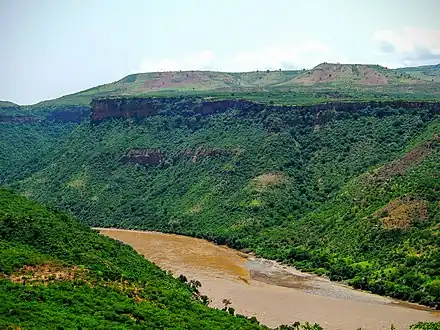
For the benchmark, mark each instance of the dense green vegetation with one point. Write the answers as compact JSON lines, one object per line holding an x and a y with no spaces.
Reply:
{"x":23,"y":145}
{"x":381,"y":231}
{"x":353,"y":195}
{"x":57,"y":273}
{"x":426,"y":326}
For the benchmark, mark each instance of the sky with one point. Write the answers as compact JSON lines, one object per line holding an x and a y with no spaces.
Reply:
{"x":49,"y":48}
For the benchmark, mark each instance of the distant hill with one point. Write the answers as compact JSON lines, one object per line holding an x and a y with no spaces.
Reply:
{"x":430,"y":73}
{"x":356,"y":74}
{"x":330,"y":76}
{"x":180,"y":81}
{"x":6,"y":104}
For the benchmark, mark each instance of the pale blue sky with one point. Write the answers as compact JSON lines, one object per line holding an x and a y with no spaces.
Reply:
{"x":54,"y":47}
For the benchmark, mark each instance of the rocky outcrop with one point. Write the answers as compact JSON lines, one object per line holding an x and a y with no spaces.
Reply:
{"x":156,"y":157}
{"x":120,"y":107}
{"x":123,"y":108}
{"x":144,"y":157}
{"x":138,"y":108}
{"x":211,"y":107}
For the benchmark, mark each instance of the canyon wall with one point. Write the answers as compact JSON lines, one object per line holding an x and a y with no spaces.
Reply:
{"x":138,"y":108}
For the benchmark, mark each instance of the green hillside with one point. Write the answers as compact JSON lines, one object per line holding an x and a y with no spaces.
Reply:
{"x":58,"y":274}
{"x":23,"y":145}
{"x":181,"y":82}
{"x":430,"y":73}
{"x":29,"y":136}
{"x":350,"y":194}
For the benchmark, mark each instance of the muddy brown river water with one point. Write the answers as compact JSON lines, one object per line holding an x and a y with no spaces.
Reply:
{"x":273,"y":293}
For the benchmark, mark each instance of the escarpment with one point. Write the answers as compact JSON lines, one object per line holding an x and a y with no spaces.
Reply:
{"x":139,"y":107}
{"x":123,"y":108}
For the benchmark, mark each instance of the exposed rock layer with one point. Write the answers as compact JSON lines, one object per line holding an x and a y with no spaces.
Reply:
{"x":157,"y":157}
{"x":138,"y":108}
{"x":144,"y":157}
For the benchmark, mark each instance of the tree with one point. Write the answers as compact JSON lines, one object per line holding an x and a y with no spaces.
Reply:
{"x":226,"y":302}
{"x":434,"y":289}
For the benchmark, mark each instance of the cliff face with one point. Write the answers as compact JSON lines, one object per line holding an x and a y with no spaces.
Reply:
{"x":144,"y":157}
{"x":210,"y":107}
{"x":137,"y":108}
{"x":157,"y":157}
{"x":124,"y":108}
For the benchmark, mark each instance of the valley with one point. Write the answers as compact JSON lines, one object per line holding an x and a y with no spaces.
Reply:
{"x":324,"y":173}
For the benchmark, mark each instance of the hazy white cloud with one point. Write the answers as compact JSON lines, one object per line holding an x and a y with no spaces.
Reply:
{"x":410,"y":46}
{"x":198,"y":61}
{"x":285,"y":57}
{"x":273,"y":57}
{"x":396,"y":48}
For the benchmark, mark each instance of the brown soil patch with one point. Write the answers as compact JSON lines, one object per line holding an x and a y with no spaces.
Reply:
{"x":372,"y":77}
{"x":46,"y":273}
{"x":401,"y":213}
{"x":330,"y":72}
{"x":198,"y":80}
{"x":266,"y":180}
{"x":172,"y":80}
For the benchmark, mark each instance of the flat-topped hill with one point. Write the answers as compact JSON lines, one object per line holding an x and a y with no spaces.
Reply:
{"x":331,"y":77}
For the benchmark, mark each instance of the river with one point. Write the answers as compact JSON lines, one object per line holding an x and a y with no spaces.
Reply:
{"x":274,"y":293}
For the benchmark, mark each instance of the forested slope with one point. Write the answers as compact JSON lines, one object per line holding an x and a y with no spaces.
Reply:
{"x":58,"y":274}
{"x":381,"y":231}
{"x":28,"y":137}
{"x":351,"y":192}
